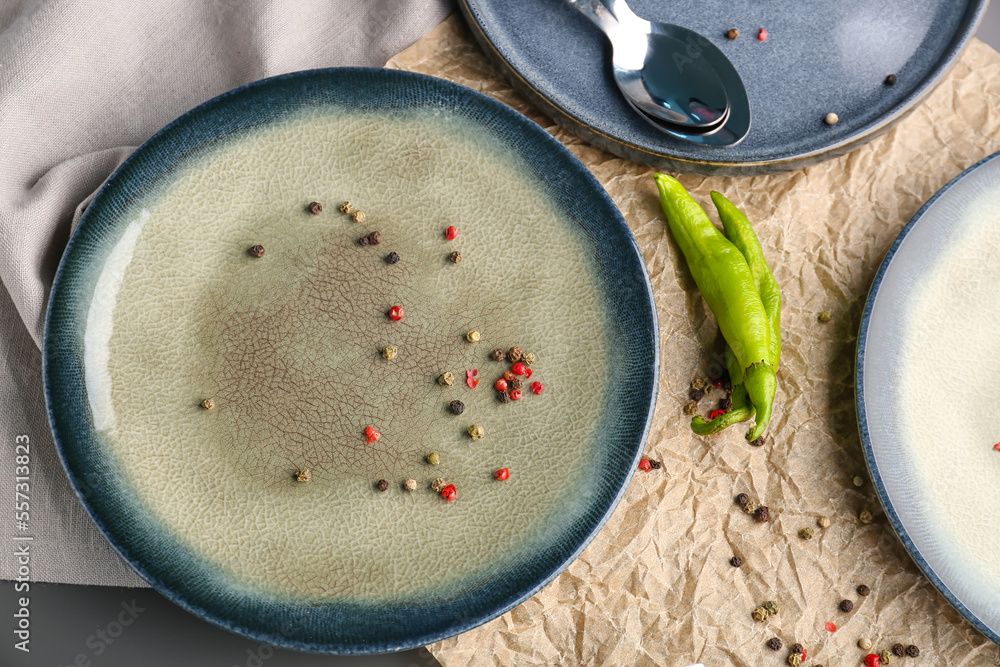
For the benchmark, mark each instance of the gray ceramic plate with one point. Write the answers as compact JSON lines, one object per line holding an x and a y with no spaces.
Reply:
{"x":818,"y":58}
{"x":159,"y":304}
{"x":927,"y":480}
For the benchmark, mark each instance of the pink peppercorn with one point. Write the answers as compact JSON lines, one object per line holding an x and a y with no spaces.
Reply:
{"x":396,"y":313}
{"x":502,"y":474}
{"x":537,"y":387}
{"x":372,"y":435}
{"x":515,"y":395}
{"x":501,"y":385}
{"x":762,"y":35}
{"x":715,"y":414}
{"x":471,"y":379}
{"x":519,"y":369}
{"x":449,"y":493}
{"x":451,"y":233}
{"x":528,"y":373}
{"x":872,"y":660}
{"x":645,"y":465}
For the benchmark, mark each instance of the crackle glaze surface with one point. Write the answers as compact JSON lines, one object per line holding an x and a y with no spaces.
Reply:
{"x":288,"y":346}
{"x":159,"y":304}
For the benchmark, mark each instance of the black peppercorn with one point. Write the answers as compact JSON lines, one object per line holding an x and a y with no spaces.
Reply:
{"x":363,"y":240}
{"x":382,"y":485}
{"x":912,"y":651}
{"x":392,"y":257}
{"x":455,"y":257}
{"x":315,"y":208}
{"x":797,"y":648}
{"x":763,"y":514}
{"x":655,"y":465}
{"x":515,"y":354}
{"x":864,"y":591}
{"x":257,"y":251}
{"x":503,"y":397}
{"x":498,"y":355}
{"x":742,"y":499}
{"x":457,"y":407}
{"x":726,"y":403}
{"x":516,"y":383}
{"x":696,"y":394}
{"x":758,"y":442}
{"x":736,"y":561}
{"x":774,"y":644}
{"x":732,"y":33}
{"x":899,"y":650}
{"x":891,"y":80}
{"x":375,"y":238}
{"x":846,"y":606}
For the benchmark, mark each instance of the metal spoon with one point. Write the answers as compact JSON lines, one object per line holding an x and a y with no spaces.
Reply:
{"x":661,"y":69}
{"x":734,"y":127}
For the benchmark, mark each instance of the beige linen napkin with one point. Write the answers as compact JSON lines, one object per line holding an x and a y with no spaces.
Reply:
{"x":83,"y":82}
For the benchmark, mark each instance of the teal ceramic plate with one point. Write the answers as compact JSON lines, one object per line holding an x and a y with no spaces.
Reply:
{"x":818,"y":58}
{"x":264,"y":513}
{"x":928,"y":372}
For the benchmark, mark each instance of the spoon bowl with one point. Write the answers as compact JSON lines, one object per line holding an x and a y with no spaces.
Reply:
{"x":662,"y":69}
{"x":675,"y":79}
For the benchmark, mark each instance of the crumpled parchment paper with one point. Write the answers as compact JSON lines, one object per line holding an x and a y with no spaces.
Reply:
{"x":656,"y":587}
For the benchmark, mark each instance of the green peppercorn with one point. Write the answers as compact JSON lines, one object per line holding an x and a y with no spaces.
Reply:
{"x":438,"y":484}
{"x":208,"y":404}
{"x":303,"y":475}
{"x":529,"y":358}
{"x":807,"y":533}
{"x":472,"y":336}
{"x":389,"y":352}
{"x":825,"y":316}
{"x":476,"y":432}
{"x":433,"y":458}
{"x":446,"y":379}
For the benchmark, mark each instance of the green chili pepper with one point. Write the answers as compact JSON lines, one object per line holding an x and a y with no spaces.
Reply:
{"x":741,"y":291}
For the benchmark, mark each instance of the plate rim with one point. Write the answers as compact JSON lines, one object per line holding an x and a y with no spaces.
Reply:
{"x":862,"y":416}
{"x":475,"y":620}
{"x":960,"y":41}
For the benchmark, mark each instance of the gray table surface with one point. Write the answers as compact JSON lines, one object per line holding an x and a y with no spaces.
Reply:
{"x":76,"y":625}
